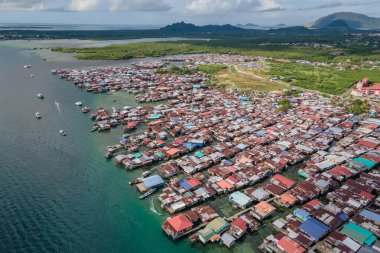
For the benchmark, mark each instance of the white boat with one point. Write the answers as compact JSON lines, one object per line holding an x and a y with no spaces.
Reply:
{"x":27,"y":66}
{"x":79,"y":103}
{"x":31,"y":75}
{"x":62,"y":132}
{"x":40,"y":96}
{"x":146,"y":173}
{"x":38,"y":115}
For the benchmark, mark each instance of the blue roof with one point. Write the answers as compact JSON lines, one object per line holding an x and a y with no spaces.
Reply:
{"x":229,"y":163}
{"x":261,"y":132}
{"x":190,"y":146}
{"x":314,"y":228}
{"x":343,"y":216}
{"x":185,"y":184}
{"x":301,"y":213}
{"x":370,"y":215}
{"x":153,"y":181}
{"x":336,"y":129}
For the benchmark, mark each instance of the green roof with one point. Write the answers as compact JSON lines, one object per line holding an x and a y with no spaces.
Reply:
{"x":137,"y":155}
{"x":206,"y":233}
{"x":199,"y":154}
{"x":359,"y":233}
{"x":218,"y":225}
{"x":160,"y":154}
{"x":368,"y":163}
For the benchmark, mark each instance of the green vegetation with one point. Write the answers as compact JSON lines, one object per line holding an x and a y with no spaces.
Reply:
{"x":211,"y":69}
{"x":323,"y":79}
{"x":358,"y":106}
{"x":177,"y":70}
{"x":292,"y":92}
{"x":285,"y":105}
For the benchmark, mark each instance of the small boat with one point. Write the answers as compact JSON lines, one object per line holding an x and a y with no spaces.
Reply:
{"x":137,"y":181}
{"x":62,"y":132}
{"x":95,"y":128}
{"x":40,"y":96}
{"x":38,"y":115}
{"x":85,"y":109}
{"x":27,"y":66}
{"x":147,"y":193}
{"x":146,"y":173}
{"x":31,"y":75}
{"x":79,"y":103}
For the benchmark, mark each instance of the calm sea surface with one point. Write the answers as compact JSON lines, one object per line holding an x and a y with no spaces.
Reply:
{"x":59,"y":194}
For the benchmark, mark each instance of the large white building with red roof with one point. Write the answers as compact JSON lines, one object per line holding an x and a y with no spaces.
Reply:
{"x":364,"y":89}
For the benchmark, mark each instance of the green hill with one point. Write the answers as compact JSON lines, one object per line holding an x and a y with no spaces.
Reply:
{"x":353,"y":20}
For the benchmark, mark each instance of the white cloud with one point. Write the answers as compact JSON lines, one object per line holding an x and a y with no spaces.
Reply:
{"x":138,"y":5}
{"x":83,"y":5}
{"x":228,"y":6}
{"x":22,"y":5}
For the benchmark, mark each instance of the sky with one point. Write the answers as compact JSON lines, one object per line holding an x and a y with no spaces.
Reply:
{"x":162,"y":12}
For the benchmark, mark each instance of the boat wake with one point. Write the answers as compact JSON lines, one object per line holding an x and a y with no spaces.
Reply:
{"x":153,"y":209}
{"x":57,"y":105}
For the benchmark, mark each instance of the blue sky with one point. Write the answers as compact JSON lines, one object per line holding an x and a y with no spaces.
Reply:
{"x":161,"y":12}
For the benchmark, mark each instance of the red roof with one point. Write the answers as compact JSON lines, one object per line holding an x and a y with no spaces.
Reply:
{"x":367,"y":195}
{"x":193,"y":183}
{"x":376,"y":86}
{"x":290,"y":246}
{"x":367,"y":143}
{"x":284,"y":180}
{"x":180,"y":223}
{"x":313,"y":202}
{"x":240,"y":223}
{"x":372,"y":158}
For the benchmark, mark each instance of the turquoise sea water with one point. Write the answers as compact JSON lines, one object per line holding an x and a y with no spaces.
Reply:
{"x":59,"y":194}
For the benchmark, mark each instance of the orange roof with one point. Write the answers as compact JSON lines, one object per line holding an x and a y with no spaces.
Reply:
{"x":231,"y":169}
{"x":290,"y":246}
{"x":265,"y":207}
{"x":173,"y":151}
{"x":180,"y":222}
{"x":225,"y":185}
{"x":284,"y":180}
{"x":288,"y":198}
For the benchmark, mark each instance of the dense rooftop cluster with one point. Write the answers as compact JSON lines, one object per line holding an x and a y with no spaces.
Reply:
{"x":208,"y":142}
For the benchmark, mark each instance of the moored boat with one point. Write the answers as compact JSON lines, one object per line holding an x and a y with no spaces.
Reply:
{"x":147,"y":193}
{"x":40,"y":96}
{"x":146,"y":173}
{"x":63,"y":133}
{"x":38,"y":115}
{"x":79,"y":103}
{"x":85,"y":109}
{"x":137,"y":181}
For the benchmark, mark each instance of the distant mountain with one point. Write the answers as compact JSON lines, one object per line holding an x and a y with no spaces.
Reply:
{"x":291,"y":30}
{"x":338,"y":26}
{"x":352,"y":20}
{"x":187,"y":28}
{"x":250,"y":24}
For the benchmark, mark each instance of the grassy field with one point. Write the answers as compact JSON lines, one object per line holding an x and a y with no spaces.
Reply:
{"x":246,"y":80}
{"x":323,"y":79}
